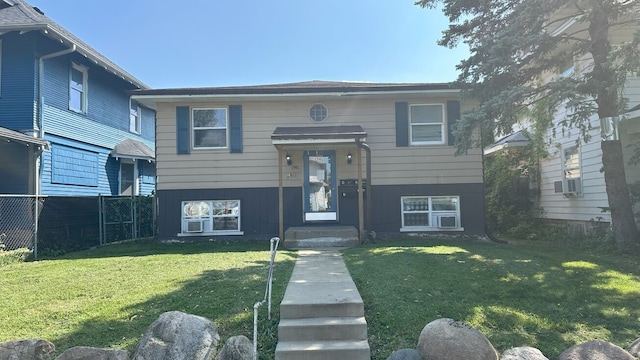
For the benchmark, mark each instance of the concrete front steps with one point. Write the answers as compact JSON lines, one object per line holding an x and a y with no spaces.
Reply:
{"x":313,"y":237}
{"x":322,"y":313}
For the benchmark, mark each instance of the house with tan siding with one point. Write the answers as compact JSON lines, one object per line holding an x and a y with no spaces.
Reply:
{"x":254,"y":161}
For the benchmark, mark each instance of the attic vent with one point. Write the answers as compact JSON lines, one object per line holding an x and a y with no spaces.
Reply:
{"x":318,"y":112}
{"x":38,"y":10}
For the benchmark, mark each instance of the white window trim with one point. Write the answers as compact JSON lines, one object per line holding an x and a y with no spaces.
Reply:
{"x":326,"y":110}
{"x":193,"y":129}
{"x":433,"y":215}
{"x":209,"y":218}
{"x":442,"y":127}
{"x":135,"y":126}
{"x":566,"y":179}
{"x":85,"y":76}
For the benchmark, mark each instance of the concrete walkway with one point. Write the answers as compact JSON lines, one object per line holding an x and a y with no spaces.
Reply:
{"x":322,"y":313}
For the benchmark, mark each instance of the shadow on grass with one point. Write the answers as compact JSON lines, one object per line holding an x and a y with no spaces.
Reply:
{"x":546,"y":297}
{"x":226,"y":297}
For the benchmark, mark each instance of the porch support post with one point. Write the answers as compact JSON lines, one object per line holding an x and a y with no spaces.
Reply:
{"x":280,"y":198}
{"x":360,"y":199}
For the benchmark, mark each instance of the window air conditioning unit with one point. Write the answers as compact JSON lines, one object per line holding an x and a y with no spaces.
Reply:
{"x":447,"y":221}
{"x":194,"y":226}
{"x":574,"y":186}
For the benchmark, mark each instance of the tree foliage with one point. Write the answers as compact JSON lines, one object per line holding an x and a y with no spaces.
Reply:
{"x":518,"y":48}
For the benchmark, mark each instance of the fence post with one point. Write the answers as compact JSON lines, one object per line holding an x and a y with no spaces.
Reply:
{"x":100,"y":226}
{"x":35,"y":229}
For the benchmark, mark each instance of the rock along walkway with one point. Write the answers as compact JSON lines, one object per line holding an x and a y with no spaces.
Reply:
{"x":322,"y":313}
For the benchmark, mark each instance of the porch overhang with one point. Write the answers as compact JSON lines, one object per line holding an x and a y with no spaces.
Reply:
{"x":133,"y":149}
{"x":344,"y":134}
{"x":15,"y":136}
{"x":517,"y":139}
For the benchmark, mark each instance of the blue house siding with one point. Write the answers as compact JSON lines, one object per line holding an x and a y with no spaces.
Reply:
{"x":14,"y":172}
{"x":148,"y":130}
{"x":19,"y":78}
{"x":67,"y":166}
{"x":146,"y":177}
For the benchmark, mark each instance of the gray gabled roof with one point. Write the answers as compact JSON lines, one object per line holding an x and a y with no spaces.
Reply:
{"x":314,"y":86}
{"x":18,"y":15}
{"x":516,"y":139}
{"x":133,"y":149}
{"x":10,"y":135}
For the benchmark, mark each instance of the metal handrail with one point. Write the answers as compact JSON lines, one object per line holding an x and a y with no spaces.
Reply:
{"x":273,"y":248}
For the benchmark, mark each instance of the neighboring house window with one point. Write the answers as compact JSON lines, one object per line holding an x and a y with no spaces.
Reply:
{"x":209,"y":128}
{"x":567,"y":68}
{"x":571,"y":170}
{"x":426,"y":124}
{"x":128,"y":177}
{"x":211,"y":216}
{"x":318,"y":113}
{"x":78,"y":88}
{"x":430,"y":213}
{"x":135,"y":124}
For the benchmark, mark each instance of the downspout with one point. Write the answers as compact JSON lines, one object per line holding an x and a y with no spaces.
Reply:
{"x":369,"y":223}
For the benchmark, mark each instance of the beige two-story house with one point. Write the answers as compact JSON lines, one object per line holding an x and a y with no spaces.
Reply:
{"x":253,"y":161}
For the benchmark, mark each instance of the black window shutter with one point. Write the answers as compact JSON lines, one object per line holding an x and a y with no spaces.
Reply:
{"x":453,"y":115}
{"x":402,"y":124}
{"x":182,"y":130}
{"x":235,"y":128}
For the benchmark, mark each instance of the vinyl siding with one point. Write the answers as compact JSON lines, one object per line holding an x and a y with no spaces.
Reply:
{"x":257,"y":165}
{"x":19,"y":79}
{"x":107,"y":170}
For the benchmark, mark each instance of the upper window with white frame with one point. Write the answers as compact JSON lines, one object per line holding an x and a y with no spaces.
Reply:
{"x":202,"y":217}
{"x":135,"y":123}
{"x":426,"y":124}
{"x":571,"y":181}
{"x":209,"y":126}
{"x":78,"y":88}
{"x":430,"y":213}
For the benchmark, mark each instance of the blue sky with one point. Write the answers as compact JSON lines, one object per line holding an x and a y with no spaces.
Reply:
{"x":194,"y":43}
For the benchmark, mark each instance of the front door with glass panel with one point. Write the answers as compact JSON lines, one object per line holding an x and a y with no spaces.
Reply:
{"x":320,"y":186}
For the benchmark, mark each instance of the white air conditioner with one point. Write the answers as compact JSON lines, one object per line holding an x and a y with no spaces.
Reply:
{"x":194,"y":226}
{"x":572,"y":186}
{"x":448,"y":221}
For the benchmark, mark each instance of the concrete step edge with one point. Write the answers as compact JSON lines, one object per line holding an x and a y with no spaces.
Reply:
{"x":330,"y":345}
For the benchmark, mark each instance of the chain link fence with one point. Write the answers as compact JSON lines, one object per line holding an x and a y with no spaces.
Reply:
{"x":58,"y":224}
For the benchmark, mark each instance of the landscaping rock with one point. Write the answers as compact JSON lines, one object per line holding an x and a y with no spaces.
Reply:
{"x":445,"y":339}
{"x":236,"y":348}
{"x":634,"y":348}
{"x":596,"y":350}
{"x":177,"y":336}
{"x":30,"y":349}
{"x":405,"y":354}
{"x":523,"y":353}
{"x":90,"y":353}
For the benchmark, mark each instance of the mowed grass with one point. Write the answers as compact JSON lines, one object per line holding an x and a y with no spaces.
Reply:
{"x":539,"y":294}
{"x":107,"y":297}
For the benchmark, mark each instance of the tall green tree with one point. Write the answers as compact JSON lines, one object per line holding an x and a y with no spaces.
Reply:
{"x":516,"y":44}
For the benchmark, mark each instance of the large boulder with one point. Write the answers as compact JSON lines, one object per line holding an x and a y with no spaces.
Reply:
{"x":634,"y":348}
{"x":405,"y":354}
{"x":445,"y":339}
{"x":523,"y":353}
{"x":236,"y":348}
{"x":177,"y":336}
{"x":90,"y":353}
{"x":595,"y":350}
{"x":30,"y":349}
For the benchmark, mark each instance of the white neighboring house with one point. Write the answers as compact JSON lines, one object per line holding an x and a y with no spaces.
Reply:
{"x":572,"y":185}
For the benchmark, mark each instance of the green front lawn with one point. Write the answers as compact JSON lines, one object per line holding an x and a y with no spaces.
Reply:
{"x":538,"y":294}
{"x":109,"y":296}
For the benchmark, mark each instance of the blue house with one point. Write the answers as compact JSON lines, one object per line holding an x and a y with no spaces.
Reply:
{"x":67,"y":123}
